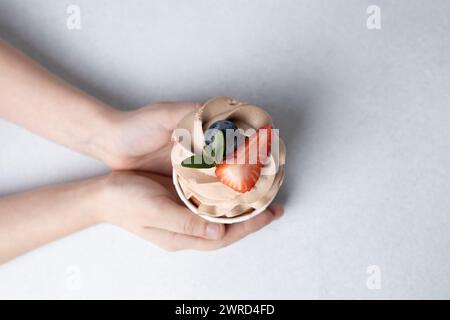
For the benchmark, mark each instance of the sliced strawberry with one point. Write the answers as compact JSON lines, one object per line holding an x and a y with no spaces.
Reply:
{"x":256,"y":148}
{"x":239,"y":177}
{"x":243,"y":171}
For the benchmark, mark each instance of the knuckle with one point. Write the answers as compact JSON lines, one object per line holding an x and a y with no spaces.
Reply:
{"x":190,"y":226}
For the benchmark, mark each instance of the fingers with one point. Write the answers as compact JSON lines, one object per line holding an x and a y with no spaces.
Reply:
{"x":164,"y":239}
{"x":176,"y":218}
{"x":173,"y":241}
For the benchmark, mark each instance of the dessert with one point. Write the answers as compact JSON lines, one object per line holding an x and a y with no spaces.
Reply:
{"x":228,"y":160}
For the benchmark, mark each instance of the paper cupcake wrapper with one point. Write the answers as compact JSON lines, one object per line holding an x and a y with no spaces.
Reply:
{"x":236,"y":219}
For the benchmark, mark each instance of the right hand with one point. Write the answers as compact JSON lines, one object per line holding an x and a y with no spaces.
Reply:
{"x":148,"y":206}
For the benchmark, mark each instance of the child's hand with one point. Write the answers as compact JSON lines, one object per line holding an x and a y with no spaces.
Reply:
{"x":148,"y":206}
{"x":141,"y":203}
{"x":140,"y":139}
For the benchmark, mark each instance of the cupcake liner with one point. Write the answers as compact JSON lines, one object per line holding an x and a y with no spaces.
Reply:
{"x":225,"y":220}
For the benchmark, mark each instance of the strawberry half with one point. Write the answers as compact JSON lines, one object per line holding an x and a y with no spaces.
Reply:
{"x":256,"y":148}
{"x":239,"y":177}
{"x":242,"y":174}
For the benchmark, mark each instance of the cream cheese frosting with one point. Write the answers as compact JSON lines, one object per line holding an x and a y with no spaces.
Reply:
{"x":201,"y":187}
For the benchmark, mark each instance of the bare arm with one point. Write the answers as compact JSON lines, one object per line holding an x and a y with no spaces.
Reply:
{"x":31,"y":219}
{"x":33,"y":98}
{"x":141,"y":203}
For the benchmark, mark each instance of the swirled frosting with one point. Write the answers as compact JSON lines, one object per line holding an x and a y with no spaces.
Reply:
{"x":200,"y":186}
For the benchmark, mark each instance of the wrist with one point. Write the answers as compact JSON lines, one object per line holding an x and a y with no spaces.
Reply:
{"x":93,"y":199}
{"x":98,"y":199}
{"x":107,"y":191}
{"x":104,"y":137}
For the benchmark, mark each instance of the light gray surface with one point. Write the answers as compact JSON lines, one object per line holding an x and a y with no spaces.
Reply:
{"x":366,"y":117}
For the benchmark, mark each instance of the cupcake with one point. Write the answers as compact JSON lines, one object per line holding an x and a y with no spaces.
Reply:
{"x":228,"y":160}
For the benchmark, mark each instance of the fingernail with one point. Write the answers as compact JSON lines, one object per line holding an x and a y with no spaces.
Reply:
{"x":213,"y":230}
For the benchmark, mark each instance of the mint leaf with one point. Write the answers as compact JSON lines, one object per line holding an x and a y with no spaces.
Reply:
{"x":197,"y":162}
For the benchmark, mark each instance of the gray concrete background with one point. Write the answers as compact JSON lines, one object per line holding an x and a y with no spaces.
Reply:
{"x":365,"y":115}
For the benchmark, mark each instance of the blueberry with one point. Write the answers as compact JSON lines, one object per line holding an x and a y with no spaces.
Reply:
{"x":222,"y":125}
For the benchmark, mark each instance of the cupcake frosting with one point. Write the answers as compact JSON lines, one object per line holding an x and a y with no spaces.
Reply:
{"x":201,"y":187}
